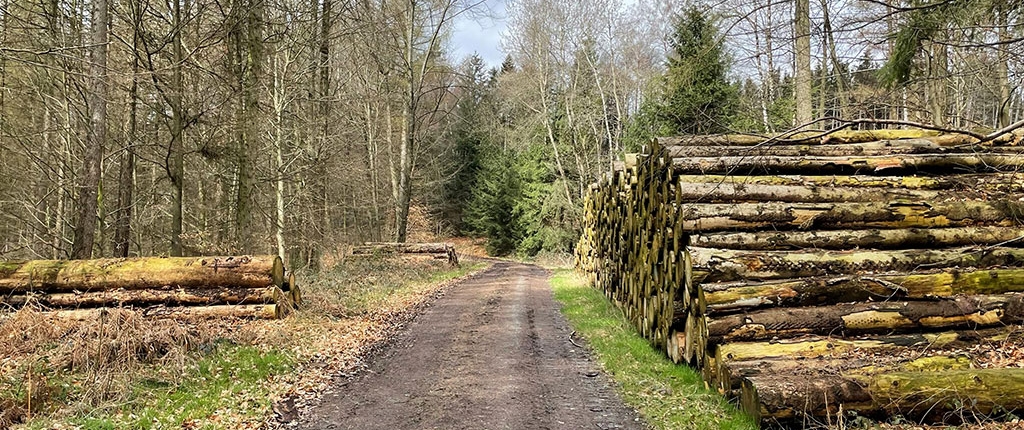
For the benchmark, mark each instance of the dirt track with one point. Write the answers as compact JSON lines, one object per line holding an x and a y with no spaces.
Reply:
{"x":493,"y":353}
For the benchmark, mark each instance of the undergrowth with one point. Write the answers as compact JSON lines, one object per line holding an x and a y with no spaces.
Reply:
{"x":667,"y":395}
{"x":126,"y":371}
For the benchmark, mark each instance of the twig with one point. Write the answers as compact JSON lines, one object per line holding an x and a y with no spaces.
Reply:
{"x":573,"y":341}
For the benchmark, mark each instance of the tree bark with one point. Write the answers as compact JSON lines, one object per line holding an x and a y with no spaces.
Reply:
{"x":837,"y":347}
{"x":925,"y":396}
{"x":984,"y":183}
{"x":802,"y":59}
{"x":732,"y":192}
{"x":705,"y":218}
{"x":723,"y":265}
{"x":225,"y":295}
{"x":188,"y":313}
{"x":861,"y":318}
{"x":810,"y":138}
{"x":882,"y":147}
{"x":871,"y":165}
{"x":730,"y":297}
{"x":140,"y":273}
{"x":86,"y":216}
{"x":126,"y":173}
{"x":911,"y":238}
{"x":729,"y":374}
{"x":176,"y":149}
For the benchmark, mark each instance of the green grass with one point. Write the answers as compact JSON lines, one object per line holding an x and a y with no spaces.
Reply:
{"x":230,"y":379}
{"x":667,"y":395}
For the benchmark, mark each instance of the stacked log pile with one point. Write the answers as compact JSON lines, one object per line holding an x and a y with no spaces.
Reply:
{"x":871,"y":273}
{"x":437,"y":251}
{"x":197,"y":287}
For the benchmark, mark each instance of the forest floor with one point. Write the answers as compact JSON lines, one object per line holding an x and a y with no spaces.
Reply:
{"x":494,"y":352}
{"x":126,"y":371}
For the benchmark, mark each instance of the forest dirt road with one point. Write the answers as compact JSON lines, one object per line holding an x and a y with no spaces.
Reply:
{"x":492,"y":353}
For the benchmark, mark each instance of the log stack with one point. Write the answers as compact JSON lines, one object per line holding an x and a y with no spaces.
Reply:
{"x":197,"y":287}
{"x":864,"y":272}
{"x":436,"y":251}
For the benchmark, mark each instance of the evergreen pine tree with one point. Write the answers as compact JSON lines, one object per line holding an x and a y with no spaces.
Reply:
{"x":695,"y":95}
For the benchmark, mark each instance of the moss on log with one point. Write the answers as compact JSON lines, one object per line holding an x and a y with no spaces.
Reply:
{"x":140,"y":273}
{"x":936,"y":396}
{"x":723,"y":265}
{"x":142,"y":298}
{"x":699,"y":218}
{"x":910,"y":238}
{"x":986,"y":183}
{"x":183,"y":313}
{"x":745,"y":296}
{"x":853,"y":165}
{"x":859,"y":318}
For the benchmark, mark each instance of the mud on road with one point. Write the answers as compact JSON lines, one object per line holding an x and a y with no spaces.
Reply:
{"x":492,"y":353}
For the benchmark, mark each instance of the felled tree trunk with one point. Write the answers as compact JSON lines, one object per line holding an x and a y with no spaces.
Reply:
{"x":864,"y":165}
{"x":920,"y":238}
{"x":699,"y":218}
{"x":722,"y":265}
{"x":169,"y":297}
{"x":860,"y":318}
{"x":140,"y":273}
{"x":443,"y":251}
{"x":805,"y":138}
{"x":982,"y":183}
{"x":880,"y":147}
{"x":928,"y":396}
{"x":194,"y":312}
{"x":730,"y":192}
{"x":731,"y":297}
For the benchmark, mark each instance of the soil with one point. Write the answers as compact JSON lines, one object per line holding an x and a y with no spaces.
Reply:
{"x":493,"y":353}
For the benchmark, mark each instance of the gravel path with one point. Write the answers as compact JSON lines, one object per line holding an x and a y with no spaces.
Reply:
{"x":492,"y":353}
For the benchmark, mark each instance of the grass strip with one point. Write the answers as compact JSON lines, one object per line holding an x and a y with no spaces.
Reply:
{"x":667,"y":395}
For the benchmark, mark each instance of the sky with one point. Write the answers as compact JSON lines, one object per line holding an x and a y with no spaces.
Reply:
{"x":480,"y":34}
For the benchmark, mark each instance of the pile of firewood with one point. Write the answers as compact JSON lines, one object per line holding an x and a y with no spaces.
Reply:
{"x":863,"y":272}
{"x":437,"y":251}
{"x":200,"y":287}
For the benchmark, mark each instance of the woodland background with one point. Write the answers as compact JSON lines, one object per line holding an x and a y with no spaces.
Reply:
{"x":183,"y":127}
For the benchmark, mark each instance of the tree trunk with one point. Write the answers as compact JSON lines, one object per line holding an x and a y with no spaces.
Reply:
{"x":938,"y":73}
{"x":226,"y":295}
{"x":723,"y":265}
{"x":1003,"y":68}
{"x":881,"y":147}
{"x":140,"y":273}
{"x":176,"y":149}
{"x":802,"y":59}
{"x":408,"y":142}
{"x":704,"y":218}
{"x":437,"y":250}
{"x":920,"y":238}
{"x":836,"y":347}
{"x":126,"y":173}
{"x":984,"y":183}
{"x":925,"y":396}
{"x":86,"y":216}
{"x":731,"y":192}
{"x":187,"y":313}
{"x":893,"y":165}
{"x":860,"y":318}
{"x":729,"y":297}
{"x":812,"y":138}
{"x":729,"y":374}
